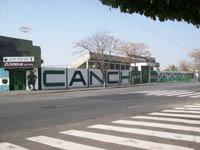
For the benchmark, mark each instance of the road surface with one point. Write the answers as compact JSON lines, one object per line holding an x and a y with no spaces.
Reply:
{"x":156,"y":117}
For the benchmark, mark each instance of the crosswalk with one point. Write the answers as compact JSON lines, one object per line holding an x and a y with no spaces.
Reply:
{"x":180,"y":124}
{"x":176,"y":93}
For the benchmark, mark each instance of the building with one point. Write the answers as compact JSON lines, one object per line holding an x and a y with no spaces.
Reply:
{"x":17,"y":57}
{"x":90,"y":61}
{"x":137,"y":63}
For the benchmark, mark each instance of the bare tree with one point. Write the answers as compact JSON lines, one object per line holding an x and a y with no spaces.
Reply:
{"x":100,"y":43}
{"x":195,"y":56}
{"x":185,"y":66}
{"x":172,"y":68}
{"x":134,"y":51}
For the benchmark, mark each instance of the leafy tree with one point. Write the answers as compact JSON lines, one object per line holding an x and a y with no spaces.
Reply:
{"x":180,"y":10}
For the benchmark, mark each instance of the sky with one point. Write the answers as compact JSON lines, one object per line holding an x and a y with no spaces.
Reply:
{"x":56,"y":25}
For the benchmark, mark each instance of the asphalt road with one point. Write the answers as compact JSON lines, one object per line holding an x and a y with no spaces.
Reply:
{"x":30,"y":116}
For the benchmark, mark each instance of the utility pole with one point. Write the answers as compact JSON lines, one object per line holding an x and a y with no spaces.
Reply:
{"x":25,"y":30}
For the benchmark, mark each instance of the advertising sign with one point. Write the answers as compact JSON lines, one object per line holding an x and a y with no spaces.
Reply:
{"x":18,"y":64}
{"x":18,"y":61}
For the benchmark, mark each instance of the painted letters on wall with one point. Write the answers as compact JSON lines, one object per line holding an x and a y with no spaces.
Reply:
{"x":112,"y":77}
{"x":77,"y":78}
{"x":95,"y":77}
{"x":53,"y":78}
{"x":125,"y":77}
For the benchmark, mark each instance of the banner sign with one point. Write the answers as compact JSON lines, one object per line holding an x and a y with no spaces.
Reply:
{"x":18,"y":59}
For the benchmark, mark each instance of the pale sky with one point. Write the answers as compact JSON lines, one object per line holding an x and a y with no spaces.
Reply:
{"x":57,"y":24}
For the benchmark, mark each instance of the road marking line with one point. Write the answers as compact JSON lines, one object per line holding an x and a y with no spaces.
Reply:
{"x":195,"y":96}
{"x":9,"y":146}
{"x":167,"y":135}
{"x":170,"y":93}
{"x":188,"y":94}
{"x":158,"y":125}
{"x":181,"y":108}
{"x":192,"y":106}
{"x":62,"y":144}
{"x":182,"y":111}
{"x":124,"y":141}
{"x":157,"y":93}
{"x":179,"y":93}
{"x":125,"y":93}
{"x":134,"y":92}
{"x":168,"y":119}
{"x":176,"y":115}
{"x":141,"y":91}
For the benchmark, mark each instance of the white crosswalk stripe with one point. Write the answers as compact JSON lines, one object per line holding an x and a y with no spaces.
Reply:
{"x":124,"y":141}
{"x":180,"y":93}
{"x":167,"y":135}
{"x":158,"y":125}
{"x":188,"y":116}
{"x":182,"y":108}
{"x":176,"y":93}
{"x":168,"y":119}
{"x":196,"y":106}
{"x":9,"y":146}
{"x":62,"y":144}
{"x":189,"y":94}
{"x":168,"y":93}
{"x":197,"y":96}
{"x":176,"y":115}
{"x":182,"y":111}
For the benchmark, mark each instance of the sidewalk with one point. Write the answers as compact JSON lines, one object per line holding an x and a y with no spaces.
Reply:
{"x":77,"y":89}
{"x":69,"y":90}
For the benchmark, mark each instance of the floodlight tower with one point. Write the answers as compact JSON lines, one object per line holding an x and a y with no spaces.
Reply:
{"x":25,"y":30}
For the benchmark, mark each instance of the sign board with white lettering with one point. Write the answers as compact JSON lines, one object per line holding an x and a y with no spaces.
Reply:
{"x":19,"y":59}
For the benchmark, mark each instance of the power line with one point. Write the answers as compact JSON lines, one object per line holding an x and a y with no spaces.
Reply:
{"x":140,"y":25}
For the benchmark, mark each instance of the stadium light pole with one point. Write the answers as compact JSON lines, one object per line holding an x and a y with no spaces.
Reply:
{"x":25,"y":30}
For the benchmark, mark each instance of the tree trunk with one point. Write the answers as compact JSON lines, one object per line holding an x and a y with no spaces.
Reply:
{"x":104,"y":78}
